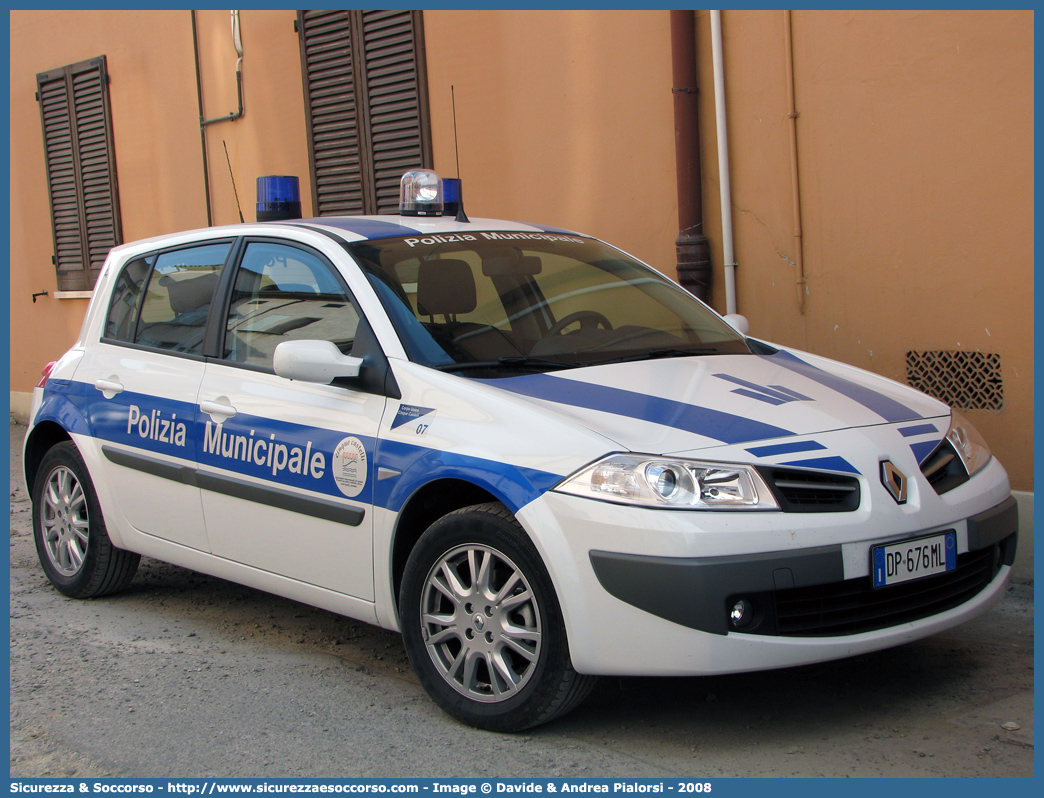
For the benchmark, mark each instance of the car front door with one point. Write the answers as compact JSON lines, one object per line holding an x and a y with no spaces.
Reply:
{"x":285,"y":466}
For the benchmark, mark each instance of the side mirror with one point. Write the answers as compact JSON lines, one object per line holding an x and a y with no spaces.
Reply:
{"x":738,"y":323}
{"x":313,"y":361}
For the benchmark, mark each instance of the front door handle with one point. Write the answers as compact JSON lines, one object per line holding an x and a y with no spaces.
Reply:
{"x":219,"y":410}
{"x":109,"y":387}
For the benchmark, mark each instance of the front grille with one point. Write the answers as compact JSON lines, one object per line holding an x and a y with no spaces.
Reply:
{"x":799,"y":491}
{"x":854,"y":606}
{"x":943,"y":468}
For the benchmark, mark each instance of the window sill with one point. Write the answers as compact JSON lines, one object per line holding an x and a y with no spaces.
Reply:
{"x":73,"y":294}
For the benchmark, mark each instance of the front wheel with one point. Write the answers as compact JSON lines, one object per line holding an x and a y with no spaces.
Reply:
{"x":71,"y":540}
{"x":482,"y":625}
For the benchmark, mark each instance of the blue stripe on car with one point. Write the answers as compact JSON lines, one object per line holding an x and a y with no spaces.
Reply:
{"x":705,"y":421}
{"x":919,"y":429}
{"x":515,"y":486}
{"x":923,"y":449}
{"x":825,"y":463}
{"x":81,"y":408}
{"x":543,"y":228}
{"x":368,"y":228}
{"x":785,"y":448}
{"x":63,"y":403}
{"x":888,"y":408}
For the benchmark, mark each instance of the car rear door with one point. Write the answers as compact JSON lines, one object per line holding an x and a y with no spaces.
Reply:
{"x":141,"y":382}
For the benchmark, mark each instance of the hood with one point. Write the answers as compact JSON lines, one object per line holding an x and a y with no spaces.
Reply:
{"x":679,"y":405}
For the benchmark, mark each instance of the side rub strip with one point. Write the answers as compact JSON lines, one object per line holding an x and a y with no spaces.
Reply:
{"x":238,"y":488}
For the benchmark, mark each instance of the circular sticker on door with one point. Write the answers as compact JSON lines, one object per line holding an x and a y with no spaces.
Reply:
{"x":349,"y":466}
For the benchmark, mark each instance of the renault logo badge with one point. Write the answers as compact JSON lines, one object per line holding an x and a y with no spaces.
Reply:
{"x":894,"y":481}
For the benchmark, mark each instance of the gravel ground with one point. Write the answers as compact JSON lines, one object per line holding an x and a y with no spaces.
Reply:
{"x":184,"y":675}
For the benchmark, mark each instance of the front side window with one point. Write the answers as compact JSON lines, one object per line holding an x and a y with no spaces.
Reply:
{"x":526,"y":301}
{"x":284,"y":293}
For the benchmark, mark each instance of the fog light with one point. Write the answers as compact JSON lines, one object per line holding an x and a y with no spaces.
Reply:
{"x":741,"y":614}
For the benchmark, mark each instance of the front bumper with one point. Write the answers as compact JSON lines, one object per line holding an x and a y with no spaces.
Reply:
{"x":698,"y":592}
{"x":645,"y":591}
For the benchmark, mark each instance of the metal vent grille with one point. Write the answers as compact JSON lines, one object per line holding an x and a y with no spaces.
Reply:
{"x":965,"y":380}
{"x":799,"y":491}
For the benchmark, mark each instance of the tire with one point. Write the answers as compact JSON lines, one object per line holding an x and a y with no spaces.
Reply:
{"x":71,"y":541}
{"x":482,"y":626}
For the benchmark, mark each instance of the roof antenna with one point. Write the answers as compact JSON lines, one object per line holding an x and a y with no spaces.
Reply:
{"x":461,"y":216}
{"x":453,"y":104}
{"x":229,"y":162}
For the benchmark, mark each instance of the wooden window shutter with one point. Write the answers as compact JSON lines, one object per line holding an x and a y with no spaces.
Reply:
{"x":366,"y":103}
{"x":81,"y":170}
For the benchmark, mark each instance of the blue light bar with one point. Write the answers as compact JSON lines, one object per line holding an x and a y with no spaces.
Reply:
{"x":452,"y":198}
{"x":278,"y":197}
{"x":450,"y":190}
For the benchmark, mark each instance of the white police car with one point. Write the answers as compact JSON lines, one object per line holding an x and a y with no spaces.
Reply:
{"x":536,"y":457}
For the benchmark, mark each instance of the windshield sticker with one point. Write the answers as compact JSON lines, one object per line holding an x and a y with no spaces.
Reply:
{"x":349,"y":466}
{"x":410,"y":413}
{"x":430,"y":241}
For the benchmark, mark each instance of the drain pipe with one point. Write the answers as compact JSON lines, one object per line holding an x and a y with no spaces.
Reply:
{"x":692,"y":247}
{"x":792,"y":115}
{"x":728,"y":255}
{"x":202,"y":129}
{"x":237,"y":42}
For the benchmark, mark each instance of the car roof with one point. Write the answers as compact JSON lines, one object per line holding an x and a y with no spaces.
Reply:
{"x":348,"y":228}
{"x":374,"y":227}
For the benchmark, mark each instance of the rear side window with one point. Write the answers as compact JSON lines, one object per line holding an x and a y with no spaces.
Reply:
{"x":284,"y":293}
{"x":171,"y":312}
{"x":126,"y":299}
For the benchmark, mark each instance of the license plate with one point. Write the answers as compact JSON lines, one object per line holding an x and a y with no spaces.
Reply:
{"x":912,"y":559}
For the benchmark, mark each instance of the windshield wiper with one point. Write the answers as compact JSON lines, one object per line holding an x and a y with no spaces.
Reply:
{"x":536,"y":363}
{"x":657,"y":354}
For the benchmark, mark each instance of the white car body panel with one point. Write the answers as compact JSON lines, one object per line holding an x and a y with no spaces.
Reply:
{"x":515,"y":438}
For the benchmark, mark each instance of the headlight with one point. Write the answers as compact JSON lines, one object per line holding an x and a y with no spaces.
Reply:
{"x":661,"y":482}
{"x":970,"y":445}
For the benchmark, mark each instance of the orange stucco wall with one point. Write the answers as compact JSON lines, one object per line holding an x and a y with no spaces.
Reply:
{"x":915,"y":142}
{"x":563,"y":118}
{"x":159,"y":151}
{"x":915,"y":152}
{"x":155,"y":140}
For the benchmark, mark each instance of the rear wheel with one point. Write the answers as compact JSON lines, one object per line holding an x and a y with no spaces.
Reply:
{"x":71,"y":540}
{"x":482,"y":625}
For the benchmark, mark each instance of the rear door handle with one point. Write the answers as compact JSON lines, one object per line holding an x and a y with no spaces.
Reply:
{"x":109,"y":387}
{"x":219,"y":410}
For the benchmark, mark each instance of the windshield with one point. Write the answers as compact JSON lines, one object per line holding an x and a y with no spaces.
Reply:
{"x":508,"y":303}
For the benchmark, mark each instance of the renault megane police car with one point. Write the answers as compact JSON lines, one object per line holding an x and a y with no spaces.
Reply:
{"x":538,"y":458}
